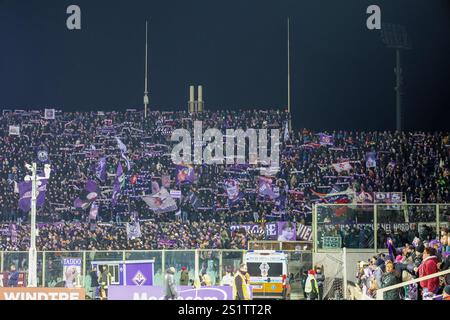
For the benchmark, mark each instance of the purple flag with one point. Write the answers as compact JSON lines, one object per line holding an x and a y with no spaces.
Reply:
{"x":25,"y":194}
{"x":232,"y":187}
{"x":118,"y":183}
{"x":265,"y":187}
{"x":100,"y":171}
{"x":185,"y":173}
{"x":89,"y":195}
{"x":325,"y":139}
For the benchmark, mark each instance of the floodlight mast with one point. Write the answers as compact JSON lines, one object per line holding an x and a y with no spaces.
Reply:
{"x":32,"y":253}
{"x":396,"y":37}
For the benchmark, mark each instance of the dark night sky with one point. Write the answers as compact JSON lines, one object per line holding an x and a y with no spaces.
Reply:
{"x":343,"y":76}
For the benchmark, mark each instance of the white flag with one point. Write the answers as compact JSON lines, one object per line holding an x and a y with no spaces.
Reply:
{"x":343,"y":166}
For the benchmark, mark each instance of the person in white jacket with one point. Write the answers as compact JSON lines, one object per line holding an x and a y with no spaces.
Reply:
{"x":227,"y":279}
{"x":311,"y":288}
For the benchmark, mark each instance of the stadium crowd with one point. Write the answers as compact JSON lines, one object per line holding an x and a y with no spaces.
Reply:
{"x":417,"y":259}
{"x":416,"y":164}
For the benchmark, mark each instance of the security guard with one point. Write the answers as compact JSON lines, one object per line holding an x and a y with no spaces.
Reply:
{"x":240,"y":286}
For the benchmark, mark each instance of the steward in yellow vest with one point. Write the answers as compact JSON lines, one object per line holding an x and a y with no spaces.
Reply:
{"x":240,"y":286}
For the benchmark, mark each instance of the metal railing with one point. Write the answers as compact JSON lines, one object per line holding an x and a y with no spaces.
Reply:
{"x":380,"y":292}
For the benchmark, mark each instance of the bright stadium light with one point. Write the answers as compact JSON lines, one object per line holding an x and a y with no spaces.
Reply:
{"x":395,"y":37}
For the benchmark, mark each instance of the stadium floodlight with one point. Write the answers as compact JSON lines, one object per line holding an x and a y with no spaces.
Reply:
{"x":32,"y":254}
{"x":395,"y":37}
{"x":146,"y":100}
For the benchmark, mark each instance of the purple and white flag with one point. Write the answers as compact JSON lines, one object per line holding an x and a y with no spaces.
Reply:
{"x":265,"y":187}
{"x":25,"y":194}
{"x":88,"y":196}
{"x":371,"y":160}
{"x":161,"y":202}
{"x":122,"y":147}
{"x":118,"y":183}
{"x":326,"y":140}
{"x":93,"y":212}
{"x":133,"y":230}
{"x":100,"y":171}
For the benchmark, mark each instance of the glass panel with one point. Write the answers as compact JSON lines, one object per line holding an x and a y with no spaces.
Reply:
{"x":149,"y":255}
{"x":209,"y":265}
{"x":298,"y":263}
{"x":54,"y":269}
{"x":349,"y":226}
{"x":231,"y":261}
{"x":444,"y":222}
{"x":20,"y":261}
{"x":403,"y":223}
{"x":444,"y":216}
{"x":98,"y":256}
{"x":179,"y":259}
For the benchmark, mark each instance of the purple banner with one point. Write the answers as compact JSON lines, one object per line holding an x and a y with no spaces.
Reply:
{"x":139,"y":274}
{"x":157,"y":293}
{"x":286,"y":231}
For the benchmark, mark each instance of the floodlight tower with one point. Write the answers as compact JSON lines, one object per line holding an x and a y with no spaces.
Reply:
{"x":32,"y":253}
{"x":395,"y":37}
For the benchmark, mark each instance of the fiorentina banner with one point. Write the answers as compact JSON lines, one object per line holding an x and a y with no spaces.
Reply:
{"x":49,"y":114}
{"x":185,"y":174}
{"x":341,"y":167}
{"x":286,"y":231}
{"x":371,"y":159}
{"x":304,"y":233}
{"x":158,"y":293}
{"x":265,"y":187}
{"x":72,"y":272}
{"x":363,"y":197}
{"x":232,"y":187}
{"x":14,"y":130}
{"x":133,"y":230}
{"x":326,"y":140}
{"x":270,"y":230}
{"x":161,"y":202}
{"x":280,"y":231}
{"x":25,"y":194}
{"x":388,"y":197}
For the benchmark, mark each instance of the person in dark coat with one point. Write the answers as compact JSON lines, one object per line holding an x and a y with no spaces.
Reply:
{"x":389,"y":279}
{"x":94,"y":281}
{"x":184,"y":277}
{"x":320,"y":278}
{"x":13,"y":280}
